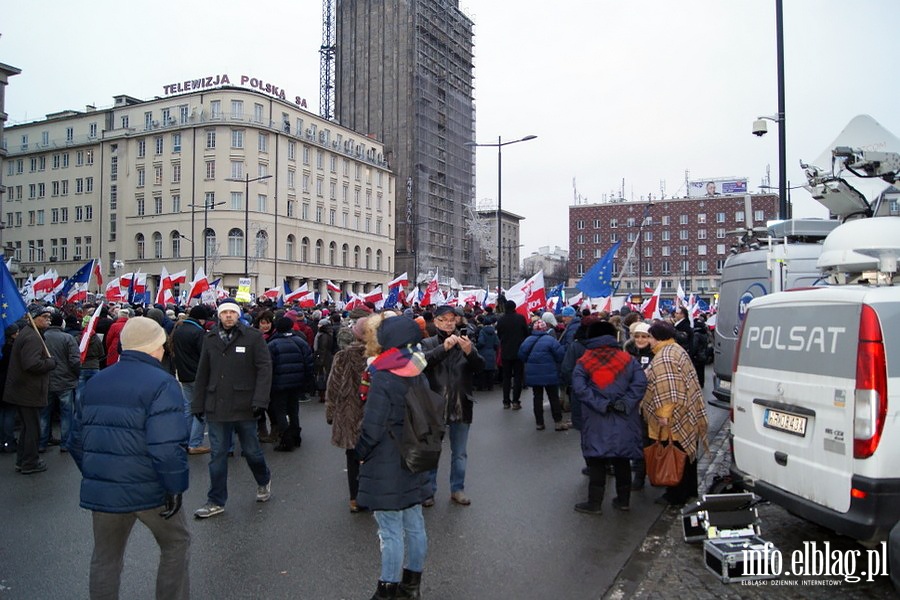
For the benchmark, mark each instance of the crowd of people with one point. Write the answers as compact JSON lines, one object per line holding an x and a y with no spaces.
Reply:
{"x":149,"y":387}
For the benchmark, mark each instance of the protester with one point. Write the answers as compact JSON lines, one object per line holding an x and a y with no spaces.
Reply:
{"x":27,"y":385}
{"x":488,"y":346}
{"x":343,"y":406}
{"x":673,"y":404}
{"x":63,"y":380}
{"x":187,"y":345}
{"x":512,"y":329}
{"x":453,"y":364}
{"x":7,"y":411}
{"x":234,"y":377}
{"x":141,"y":472}
{"x":542,"y":354}
{"x":111,"y":339}
{"x":394,"y":493}
{"x":323,"y":348}
{"x":609,"y":385}
{"x":292,"y":375}
{"x":638,"y":346}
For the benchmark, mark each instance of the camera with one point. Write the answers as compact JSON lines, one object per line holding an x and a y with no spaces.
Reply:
{"x":463,"y":333}
{"x":760,"y":128}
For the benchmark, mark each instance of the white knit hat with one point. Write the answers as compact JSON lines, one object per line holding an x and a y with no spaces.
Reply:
{"x":142,"y":334}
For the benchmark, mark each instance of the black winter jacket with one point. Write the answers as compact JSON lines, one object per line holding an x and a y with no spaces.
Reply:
{"x":451,"y":374}
{"x":292,"y":362}
{"x":187,"y":342}
{"x":512,"y":329}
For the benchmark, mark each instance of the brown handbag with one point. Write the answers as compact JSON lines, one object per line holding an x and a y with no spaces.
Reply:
{"x":665,"y":462}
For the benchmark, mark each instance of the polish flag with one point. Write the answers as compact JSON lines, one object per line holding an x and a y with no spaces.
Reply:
{"x":89,"y":330}
{"x":433,"y":293}
{"x":650,"y":309}
{"x":332,"y":286}
{"x":114,"y":292}
{"x":97,"y":270}
{"x":294,"y":296}
{"x":44,"y":283}
{"x":272,"y":293}
{"x":529,"y":294}
{"x":375,"y":296}
{"x":199,"y":285}
{"x":575,"y":300}
{"x":353,"y":301}
{"x":401,"y":280}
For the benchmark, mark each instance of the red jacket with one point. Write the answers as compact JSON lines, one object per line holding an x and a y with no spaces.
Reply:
{"x":111,"y":341}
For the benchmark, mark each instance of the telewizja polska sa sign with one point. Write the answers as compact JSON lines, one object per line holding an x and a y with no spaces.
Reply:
{"x":214,"y":81}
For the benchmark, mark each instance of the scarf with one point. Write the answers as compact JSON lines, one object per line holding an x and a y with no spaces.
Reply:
{"x":604,"y":364}
{"x":408,"y":361}
{"x":662,"y":344}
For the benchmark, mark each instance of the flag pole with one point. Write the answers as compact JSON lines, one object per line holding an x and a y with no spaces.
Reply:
{"x":38,"y":331}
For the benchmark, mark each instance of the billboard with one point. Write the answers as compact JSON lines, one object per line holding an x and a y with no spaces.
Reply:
{"x":707,"y":188}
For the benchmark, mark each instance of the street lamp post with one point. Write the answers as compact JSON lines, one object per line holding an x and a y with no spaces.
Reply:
{"x":206,"y":206}
{"x":499,"y":145}
{"x":191,"y":240}
{"x":247,"y":181}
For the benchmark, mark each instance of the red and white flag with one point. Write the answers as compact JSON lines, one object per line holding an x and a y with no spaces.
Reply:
{"x":332,"y":286}
{"x":401,"y":280}
{"x":89,"y":331}
{"x":375,"y":296}
{"x":529,"y":294}
{"x":199,"y":285}
{"x":433,"y":293}
{"x":650,"y":308}
{"x":272,"y":293}
{"x":114,"y":292}
{"x":97,"y":270}
{"x":43,"y":284}
{"x":353,"y":301}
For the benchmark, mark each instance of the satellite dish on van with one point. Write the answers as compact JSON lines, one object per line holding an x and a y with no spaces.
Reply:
{"x":862,"y":245}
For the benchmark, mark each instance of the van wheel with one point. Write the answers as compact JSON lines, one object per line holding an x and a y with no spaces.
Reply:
{"x":725,"y":484}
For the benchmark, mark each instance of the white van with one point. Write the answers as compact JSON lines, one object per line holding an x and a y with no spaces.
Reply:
{"x":816,"y":389}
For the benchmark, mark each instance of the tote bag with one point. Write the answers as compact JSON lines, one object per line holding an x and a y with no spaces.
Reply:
{"x":665,"y":462}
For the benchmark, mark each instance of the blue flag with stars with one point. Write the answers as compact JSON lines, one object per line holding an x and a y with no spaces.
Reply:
{"x":557,"y":292}
{"x":597,"y":281}
{"x":12,"y":307}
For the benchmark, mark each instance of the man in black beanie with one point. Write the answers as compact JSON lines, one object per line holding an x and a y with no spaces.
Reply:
{"x":512,"y":329}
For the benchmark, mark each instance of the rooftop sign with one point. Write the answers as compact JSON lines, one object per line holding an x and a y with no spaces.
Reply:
{"x":214,"y":81}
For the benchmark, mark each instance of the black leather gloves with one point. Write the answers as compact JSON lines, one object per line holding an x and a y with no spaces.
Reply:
{"x":173,"y":505}
{"x":258,"y":411}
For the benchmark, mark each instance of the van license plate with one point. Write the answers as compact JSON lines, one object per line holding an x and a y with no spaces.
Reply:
{"x":785,"y":422}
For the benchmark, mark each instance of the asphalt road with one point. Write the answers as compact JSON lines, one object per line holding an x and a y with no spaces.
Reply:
{"x":520,"y":538}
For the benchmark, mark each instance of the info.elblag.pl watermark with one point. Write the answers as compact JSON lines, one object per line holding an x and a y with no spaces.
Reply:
{"x":812,"y":562}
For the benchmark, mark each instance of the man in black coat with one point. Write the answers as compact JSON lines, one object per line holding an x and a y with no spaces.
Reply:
{"x":512,"y":329}
{"x":684,"y":332}
{"x":234,"y":378}
{"x":187,"y":343}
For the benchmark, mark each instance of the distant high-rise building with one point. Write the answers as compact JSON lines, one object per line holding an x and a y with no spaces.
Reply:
{"x":404,"y":76}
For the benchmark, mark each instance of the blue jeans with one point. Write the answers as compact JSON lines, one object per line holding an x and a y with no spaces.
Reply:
{"x":398,"y":529}
{"x":66,"y":400}
{"x":220,"y":435}
{"x":195,"y":425}
{"x":459,"y":437}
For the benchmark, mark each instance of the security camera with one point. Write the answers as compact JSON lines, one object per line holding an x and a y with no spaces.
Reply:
{"x":760,"y":128}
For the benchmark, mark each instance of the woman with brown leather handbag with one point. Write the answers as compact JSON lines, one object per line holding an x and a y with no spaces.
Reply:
{"x":673,"y":408}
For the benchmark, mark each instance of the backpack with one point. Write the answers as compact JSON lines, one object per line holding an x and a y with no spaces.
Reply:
{"x":423,"y":429}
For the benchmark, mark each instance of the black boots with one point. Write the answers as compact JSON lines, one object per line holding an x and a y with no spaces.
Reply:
{"x":409,"y":587}
{"x":386,"y":589}
{"x":595,"y":499}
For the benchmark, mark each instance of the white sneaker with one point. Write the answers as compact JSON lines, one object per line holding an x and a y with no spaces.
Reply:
{"x":208,"y":510}
{"x":264,"y":492}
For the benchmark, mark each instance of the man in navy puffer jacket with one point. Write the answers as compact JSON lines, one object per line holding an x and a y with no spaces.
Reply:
{"x":542,"y":354}
{"x":292,"y":375}
{"x":129,"y":440}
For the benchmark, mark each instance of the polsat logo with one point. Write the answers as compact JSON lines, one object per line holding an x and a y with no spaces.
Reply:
{"x":754,"y":291}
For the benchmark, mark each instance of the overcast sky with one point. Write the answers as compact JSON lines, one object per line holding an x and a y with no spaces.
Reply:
{"x":639,"y":91}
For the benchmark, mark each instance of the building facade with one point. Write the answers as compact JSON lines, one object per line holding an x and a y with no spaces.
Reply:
{"x":554,"y":262}
{"x":232,"y":180}
{"x":6,"y":72}
{"x":404,"y":73}
{"x":681,"y":240}
{"x":510,"y":247}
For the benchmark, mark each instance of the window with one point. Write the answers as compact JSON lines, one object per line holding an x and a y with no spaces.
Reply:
{"x":739,"y":216}
{"x":333,"y":163}
{"x":158,"y":144}
{"x":579,"y":224}
{"x":305,"y":155}
{"x":262,"y":244}
{"x":319,"y":214}
{"x":88,"y":185}
{"x":720,"y":233}
{"x":148,"y":120}
{"x":665,"y":250}
{"x":176,"y":172}
{"x":237,"y":200}
{"x":258,"y":113}
{"x":176,"y":142}
{"x":720,"y":248}
{"x":345,"y":255}
{"x":183,"y":113}
{"x":157,"y":174}
{"x":613,"y":223}
{"x":113,"y":196}
{"x":176,"y":203}
{"x":356,"y":257}
{"x":720,"y":217}
{"x":683,"y":250}
{"x":211,"y":244}
{"x":125,"y":122}
{"x":88,"y":212}
{"x":210,"y":169}
{"x":237,"y":138}
{"x":263,"y":142}
{"x":262,"y":202}
{"x":210,"y":139}
{"x":701,"y":234}
{"x":701,"y":250}
{"x":665,"y":268}
{"x":157,"y":205}
{"x":304,"y":250}
{"x":758,"y":216}
{"x":291,"y":207}
{"x":175,"y":239}
{"x":139,"y":200}
{"x":42,"y":189}
{"x":139,"y":243}
{"x":332,"y":252}
{"x":235,"y":242}
{"x":289,"y":248}
{"x":701,"y":218}
{"x":665,"y":220}
{"x":237,"y":169}
{"x":215,"y":109}
{"x":54,"y":164}
{"x":648,"y":236}
{"x":70,"y":135}
{"x":683,"y":220}
{"x":157,"y":245}
{"x":292,"y":150}
{"x":88,"y":157}
{"x":320,"y":247}
{"x":54,"y":189}
{"x":580,"y":239}
{"x":629,"y":222}
{"x":304,"y":211}
{"x":683,"y":234}
{"x":319,"y":183}
{"x":702,"y":267}
{"x":596,"y":238}
{"x":141,"y":177}
{"x":142,"y":148}
{"x":237,"y":109}
{"x":614,"y":237}
{"x":632,"y":236}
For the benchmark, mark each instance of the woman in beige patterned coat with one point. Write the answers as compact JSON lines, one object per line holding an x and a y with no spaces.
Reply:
{"x":674,"y":403}
{"x":343,"y":406}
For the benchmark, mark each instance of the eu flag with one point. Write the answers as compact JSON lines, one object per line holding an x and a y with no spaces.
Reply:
{"x":12,"y":307}
{"x":392,"y":298}
{"x":597,"y":281}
